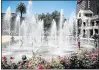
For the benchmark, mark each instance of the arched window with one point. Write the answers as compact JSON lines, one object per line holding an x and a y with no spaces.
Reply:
{"x":92,"y":23}
{"x":84,"y":23}
{"x":84,"y":33}
{"x":96,"y":31}
{"x":97,"y":23}
{"x":79,"y":22}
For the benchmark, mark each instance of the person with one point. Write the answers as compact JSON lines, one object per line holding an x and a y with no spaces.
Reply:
{"x":95,"y":41}
{"x":79,"y":42}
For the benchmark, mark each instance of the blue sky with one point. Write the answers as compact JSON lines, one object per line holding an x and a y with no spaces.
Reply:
{"x":44,"y":6}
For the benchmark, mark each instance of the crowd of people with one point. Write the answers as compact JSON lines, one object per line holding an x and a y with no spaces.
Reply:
{"x":80,"y":60}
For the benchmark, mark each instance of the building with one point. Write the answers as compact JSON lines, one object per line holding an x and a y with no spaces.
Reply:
{"x":87,"y":17}
{"x":87,"y":5}
{"x":87,"y":13}
{"x":87,"y":23}
{"x":87,"y":26}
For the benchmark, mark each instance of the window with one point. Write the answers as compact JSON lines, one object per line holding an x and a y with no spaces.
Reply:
{"x":79,"y":14}
{"x":88,"y":15}
{"x":97,"y":23}
{"x":84,"y":23}
{"x":79,"y":31}
{"x":96,"y":31}
{"x":88,"y":4}
{"x":79,"y":22}
{"x":92,"y":23}
{"x":91,"y":32}
{"x":84,"y":33}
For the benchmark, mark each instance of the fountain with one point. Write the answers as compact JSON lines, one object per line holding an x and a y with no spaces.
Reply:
{"x":32,"y":39}
{"x":6,"y":25}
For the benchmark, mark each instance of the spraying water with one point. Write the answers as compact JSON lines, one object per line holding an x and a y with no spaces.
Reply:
{"x":32,"y":38}
{"x":29,"y":8}
{"x":7,"y":22}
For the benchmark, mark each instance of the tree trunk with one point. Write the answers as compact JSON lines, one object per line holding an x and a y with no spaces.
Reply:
{"x":21,"y":15}
{"x":21,"y":18}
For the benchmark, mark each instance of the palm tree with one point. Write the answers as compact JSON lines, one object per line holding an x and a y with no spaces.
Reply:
{"x":21,"y":8}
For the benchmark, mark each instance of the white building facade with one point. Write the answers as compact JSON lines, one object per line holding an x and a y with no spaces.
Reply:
{"x":87,"y":24}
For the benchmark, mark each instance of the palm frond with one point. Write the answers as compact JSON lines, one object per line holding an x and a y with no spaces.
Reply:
{"x":21,"y":8}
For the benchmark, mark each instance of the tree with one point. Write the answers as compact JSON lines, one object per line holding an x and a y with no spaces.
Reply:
{"x":48,"y":21}
{"x":56,"y":17}
{"x":21,"y":8}
{"x":55,"y":14}
{"x":49,"y":17}
{"x":41,"y":16}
